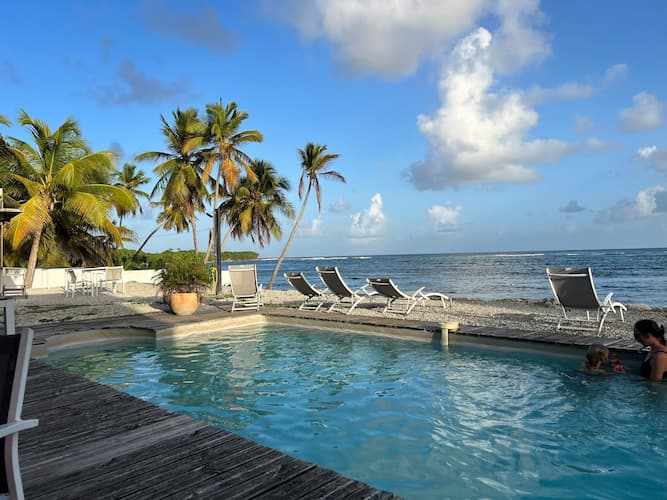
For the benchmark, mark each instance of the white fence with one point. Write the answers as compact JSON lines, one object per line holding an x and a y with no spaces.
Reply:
{"x":56,"y":278}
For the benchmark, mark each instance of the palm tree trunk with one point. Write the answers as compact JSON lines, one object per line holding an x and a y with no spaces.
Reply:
{"x":32,"y":259}
{"x":289,"y":240}
{"x":225,"y":239}
{"x":194,"y":235}
{"x":146,"y":240}
{"x":209,"y":249}
{"x":215,"y":207}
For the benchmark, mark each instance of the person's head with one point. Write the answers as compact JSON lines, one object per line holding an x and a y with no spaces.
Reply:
{"x":597,"y":355}
{"x":648,"y":332}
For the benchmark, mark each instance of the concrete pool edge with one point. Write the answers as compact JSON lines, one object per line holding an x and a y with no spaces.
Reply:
{"x":75,"y":334}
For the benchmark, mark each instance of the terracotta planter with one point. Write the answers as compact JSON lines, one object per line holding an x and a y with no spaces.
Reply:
{"x":183,"y":304}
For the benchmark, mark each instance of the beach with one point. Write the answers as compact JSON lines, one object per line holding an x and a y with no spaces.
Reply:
{"x":51,"y":305}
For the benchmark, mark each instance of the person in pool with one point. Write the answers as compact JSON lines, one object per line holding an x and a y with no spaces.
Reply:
{"x":597,"y":358}
{"x":649,"y":334}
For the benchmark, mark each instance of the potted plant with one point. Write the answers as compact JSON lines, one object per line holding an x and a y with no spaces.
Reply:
{"x":183,"y":281}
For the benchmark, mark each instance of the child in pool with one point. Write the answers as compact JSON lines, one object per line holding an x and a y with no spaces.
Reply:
{"x":597,"y":358}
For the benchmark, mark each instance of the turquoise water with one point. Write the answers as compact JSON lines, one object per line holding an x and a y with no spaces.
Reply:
{"x":416,"y":419}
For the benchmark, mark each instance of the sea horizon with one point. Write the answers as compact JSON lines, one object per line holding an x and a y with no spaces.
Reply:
{"x":472,"y":252}
{"x":634,"y":275}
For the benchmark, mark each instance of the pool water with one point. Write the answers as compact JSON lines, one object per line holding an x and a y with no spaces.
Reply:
{"x":420,"y":420}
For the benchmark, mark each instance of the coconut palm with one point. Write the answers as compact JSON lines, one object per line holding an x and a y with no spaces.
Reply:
{"x":130,"y":179}
{"x":4,"y":147}
{"x":60,"y":178}
{"x":252,"y":208}
{"x":183,"y":192}
{"x":314,"y":163}
{"x":223,"y":123}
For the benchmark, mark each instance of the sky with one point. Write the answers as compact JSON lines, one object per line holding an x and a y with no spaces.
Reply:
{"x":484,"y":125}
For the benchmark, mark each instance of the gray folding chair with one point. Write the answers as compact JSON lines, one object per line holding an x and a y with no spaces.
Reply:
{"x":400,"y":302}
{"x":345,"y":299}
{"x":247,"y":293}
{"x":314,"y":298}
{"x":575,"y":293}
{"x":14,"y":360}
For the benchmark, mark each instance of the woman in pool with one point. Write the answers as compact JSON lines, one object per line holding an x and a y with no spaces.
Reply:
{"x":649,"y":334}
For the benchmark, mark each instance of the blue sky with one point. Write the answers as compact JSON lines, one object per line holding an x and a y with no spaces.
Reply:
{"x":462,"y":126}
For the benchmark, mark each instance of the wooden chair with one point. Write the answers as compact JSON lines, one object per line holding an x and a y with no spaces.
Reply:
{"x":14,"y":360}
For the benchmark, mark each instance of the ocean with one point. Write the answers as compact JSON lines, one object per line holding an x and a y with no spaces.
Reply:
{"x":634,"y":275}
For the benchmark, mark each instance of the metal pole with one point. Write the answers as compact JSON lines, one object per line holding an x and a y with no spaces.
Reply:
{"x":218,"y":256}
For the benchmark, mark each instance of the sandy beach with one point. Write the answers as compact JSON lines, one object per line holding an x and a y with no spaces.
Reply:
{"x":50,"y":305}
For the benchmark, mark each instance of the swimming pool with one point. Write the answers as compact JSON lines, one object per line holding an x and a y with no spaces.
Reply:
{"x":419,"y":420}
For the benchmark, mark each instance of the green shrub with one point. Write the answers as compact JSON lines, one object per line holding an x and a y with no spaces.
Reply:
{"x":183,"y":275}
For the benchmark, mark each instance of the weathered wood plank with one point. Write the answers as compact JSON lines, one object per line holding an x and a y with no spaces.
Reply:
{"x":153,"y":460}
{"x":302,"y":484}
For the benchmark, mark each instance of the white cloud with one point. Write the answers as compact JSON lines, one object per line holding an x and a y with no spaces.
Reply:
{"x":479,"y":135}
{"x":583,"y":123}
{"x":645,"y":114}
{"x":338,"y":206}
{"x":570,"y":90}
{"x":653,"y":156}
{"x":314,"y":228}
{"x":371,"y":222}
{"x":573,"y":90}
{"x":444,"y":218}
{"x":518,"y":43}
{"x":391,"y":37}
{"x":597,"y":144}
{"x":616,"y":72}
{"x":651,"y":201}
{"x":387,"y":37}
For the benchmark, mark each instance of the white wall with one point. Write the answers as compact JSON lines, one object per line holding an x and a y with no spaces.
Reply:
{"x":55,"y":278}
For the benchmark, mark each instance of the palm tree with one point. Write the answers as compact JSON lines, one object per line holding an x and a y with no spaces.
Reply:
{"x":251,"y":209}
{"x":314,"y":161}
{"x":223,"y":123}
{"x":130,"y":179}
{"x":4,"y":147}
{"x":180,"y":171}
{"x":59,"y":178}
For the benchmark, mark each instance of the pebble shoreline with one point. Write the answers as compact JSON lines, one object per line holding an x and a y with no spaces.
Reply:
{"x":45,"y":306}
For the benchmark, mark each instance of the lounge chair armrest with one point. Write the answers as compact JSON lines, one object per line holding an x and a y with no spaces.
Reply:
{"x":607,"y":299}
{"x":365,"y":290}
{"x":16,"y":426}
{"x":419,"y":293}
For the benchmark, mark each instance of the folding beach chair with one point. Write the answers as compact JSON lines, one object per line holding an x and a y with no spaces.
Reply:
{"x":74,"y":283}
{"x":575,"y":293}
{"x":13,"y":282}
{"x":400,"y":302}
{"x":14,"y":359}
{"x":247,"y":293}
{"x":314,"y":298}
{"x":343,"y":295}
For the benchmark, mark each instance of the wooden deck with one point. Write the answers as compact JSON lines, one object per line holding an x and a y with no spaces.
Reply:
{"x":96,"y":442}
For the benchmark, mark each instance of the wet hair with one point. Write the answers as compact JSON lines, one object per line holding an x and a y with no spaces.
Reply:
{"x":648,"y":327}
{"x":597,"y":354}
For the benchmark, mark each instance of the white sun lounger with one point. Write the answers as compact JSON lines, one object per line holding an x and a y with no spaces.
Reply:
{"x":345,"y":299}
{"x":314,"y":298}
{"x":575,"y":292}
{"x":247,"y":293}
{"x":400,"y":302}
